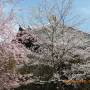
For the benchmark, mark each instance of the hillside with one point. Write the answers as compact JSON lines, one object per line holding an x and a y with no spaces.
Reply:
{"x":79,"y":42}
{"x":71,"y":56}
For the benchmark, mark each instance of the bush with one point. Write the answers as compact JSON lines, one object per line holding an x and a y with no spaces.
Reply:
{"x":43,"y":72}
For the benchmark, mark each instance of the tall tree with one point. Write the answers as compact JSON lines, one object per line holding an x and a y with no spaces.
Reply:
{"x":61,"y":35}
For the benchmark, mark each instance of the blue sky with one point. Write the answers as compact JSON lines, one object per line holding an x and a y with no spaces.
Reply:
{"x":80,"y":7}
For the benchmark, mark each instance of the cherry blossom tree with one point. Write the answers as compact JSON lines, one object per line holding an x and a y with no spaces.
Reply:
{"x":58,"y":31}
{"x":12,"y":53}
